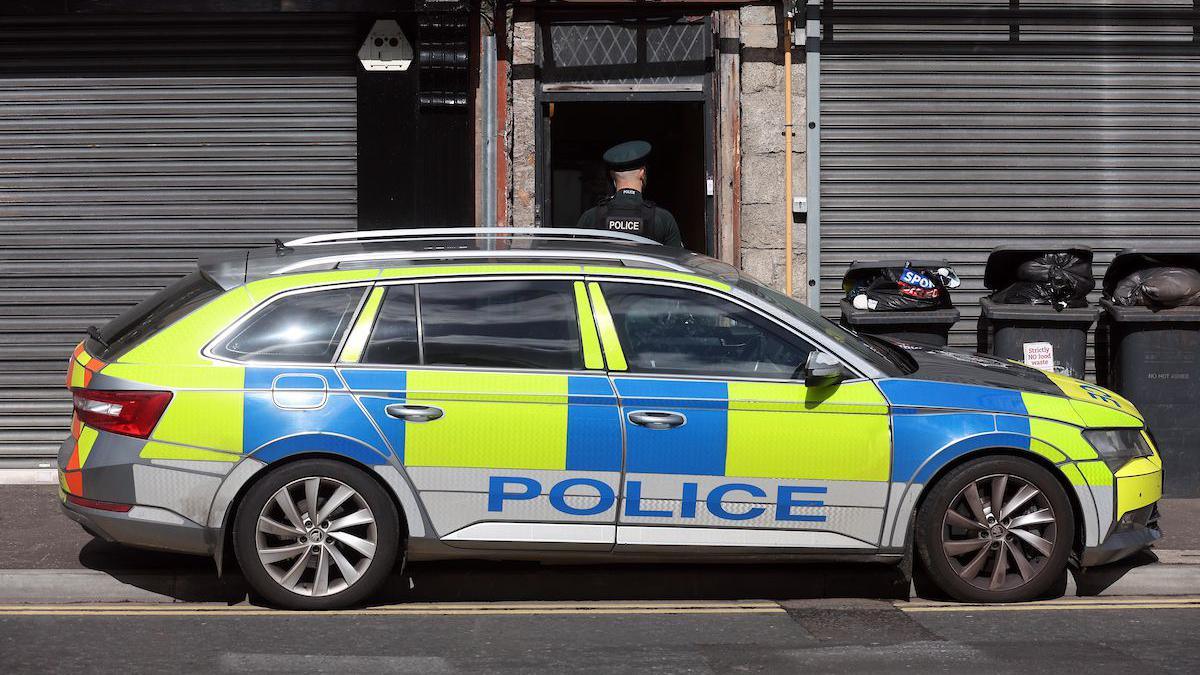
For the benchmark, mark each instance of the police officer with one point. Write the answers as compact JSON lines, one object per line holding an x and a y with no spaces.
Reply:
{"x":626,"y":210}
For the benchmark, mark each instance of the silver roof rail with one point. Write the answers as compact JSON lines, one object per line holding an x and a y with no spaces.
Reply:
{"x":471,"y":232}
{"x":332,"y":261}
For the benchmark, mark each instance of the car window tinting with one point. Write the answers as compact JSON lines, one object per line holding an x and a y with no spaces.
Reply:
{"x":394,"y":338}
{"x":501,"y":324}
{"x":153,"y":314}
{"x":664,"y":329}
{"x":302,"y":327}
{"x":877,"y":354}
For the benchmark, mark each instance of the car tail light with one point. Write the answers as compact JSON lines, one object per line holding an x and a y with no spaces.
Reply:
{"x":131,"y":413}
{"x":94,"y":504}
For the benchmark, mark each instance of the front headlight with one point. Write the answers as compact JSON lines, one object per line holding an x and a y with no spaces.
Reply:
{"x":1117,"y":446}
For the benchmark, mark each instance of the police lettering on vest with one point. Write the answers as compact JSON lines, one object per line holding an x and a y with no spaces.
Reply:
{"x":625,"y":225}
{"x":621,"y":216}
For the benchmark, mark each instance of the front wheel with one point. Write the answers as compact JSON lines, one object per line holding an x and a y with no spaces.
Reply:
{"x":317,"y":534}
{"x":996,"y":529}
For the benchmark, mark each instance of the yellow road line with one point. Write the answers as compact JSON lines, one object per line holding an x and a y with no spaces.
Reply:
{"x":1037,"y":607}
{"x":369,"y":612}
{"x":414,"y":609}
{"x":1095,"y":600}
{"x":651,"y":604}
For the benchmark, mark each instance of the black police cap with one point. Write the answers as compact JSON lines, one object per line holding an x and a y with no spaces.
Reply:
{"x":627,"y":155}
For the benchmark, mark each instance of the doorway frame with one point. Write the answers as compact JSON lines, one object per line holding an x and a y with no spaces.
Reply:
{"x":577,"y":92}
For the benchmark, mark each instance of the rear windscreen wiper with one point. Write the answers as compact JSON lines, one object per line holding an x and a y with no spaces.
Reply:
{"x":94,"y":333}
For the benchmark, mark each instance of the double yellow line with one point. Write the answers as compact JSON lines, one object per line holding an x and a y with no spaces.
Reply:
{"x":1071,"y":604}
{"x":413,"y":609}
{"x":573,"y":608}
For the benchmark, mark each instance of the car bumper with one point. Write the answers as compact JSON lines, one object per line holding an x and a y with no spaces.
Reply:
{"x":144,"y":527}
{"x":1135,"y":531}
{"x":171,"y":500}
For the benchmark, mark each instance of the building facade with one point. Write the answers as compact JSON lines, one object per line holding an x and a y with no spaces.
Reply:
{"x":919,"y":129}
{"x":703,"y":82}
{"x":138,"y":134}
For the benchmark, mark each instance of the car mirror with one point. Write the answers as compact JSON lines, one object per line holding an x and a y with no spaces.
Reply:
{"x":822,"y":370}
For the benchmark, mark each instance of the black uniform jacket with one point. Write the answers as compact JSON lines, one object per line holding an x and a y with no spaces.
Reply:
{"x":626,"y":211}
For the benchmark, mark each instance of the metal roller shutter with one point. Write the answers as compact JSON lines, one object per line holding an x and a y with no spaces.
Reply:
{"x":950,"y":129}
{"x":130,"y":145}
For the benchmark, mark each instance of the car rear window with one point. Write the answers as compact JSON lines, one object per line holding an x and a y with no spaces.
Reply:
{"x":153,"y":314}
{"x":303,"y":327}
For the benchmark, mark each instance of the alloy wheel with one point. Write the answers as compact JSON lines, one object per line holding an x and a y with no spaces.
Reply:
{"x":999,"y":532}
{"x":316,"y":536}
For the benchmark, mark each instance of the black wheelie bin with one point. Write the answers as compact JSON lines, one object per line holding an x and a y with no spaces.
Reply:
{"x":1037,"y":313}
{"x":1148,"y":350}
{"x":925,"y":320}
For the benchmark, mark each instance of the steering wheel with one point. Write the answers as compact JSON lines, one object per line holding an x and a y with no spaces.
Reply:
{"x":798,"y":372}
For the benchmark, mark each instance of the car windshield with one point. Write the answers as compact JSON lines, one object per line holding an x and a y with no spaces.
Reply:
{"x":880,"y":354}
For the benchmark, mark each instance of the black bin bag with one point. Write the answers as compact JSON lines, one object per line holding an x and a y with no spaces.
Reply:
{"x":1060,"y":279}
{"x":898,"y":285}
{"x":907,"y":300}
{"x":1158,"y":288}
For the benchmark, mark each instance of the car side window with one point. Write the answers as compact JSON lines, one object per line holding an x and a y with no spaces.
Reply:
{"x":394,"y":338}
{"x":672,"y":330}
{"x":306,"y":327}
{"x":500,"y":324}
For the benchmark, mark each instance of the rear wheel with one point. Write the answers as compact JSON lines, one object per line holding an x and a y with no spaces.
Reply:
{"x":996,"y":529}
{"x":317,"y":534}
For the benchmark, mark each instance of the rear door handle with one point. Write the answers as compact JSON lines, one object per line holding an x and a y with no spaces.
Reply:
{"x":657,"y":419}
{"x":414,"y":413}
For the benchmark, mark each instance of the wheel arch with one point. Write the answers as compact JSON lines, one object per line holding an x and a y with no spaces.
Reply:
{"x":224,"y":542}
{"x":1079,"y":536}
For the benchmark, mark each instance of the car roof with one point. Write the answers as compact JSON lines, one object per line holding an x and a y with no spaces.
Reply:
{"x":415,"y":249}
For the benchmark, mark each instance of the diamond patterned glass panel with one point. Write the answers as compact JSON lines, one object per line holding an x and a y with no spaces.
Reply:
{"x":627,"y":52}
{"x":676,"y":42}
{"x":593,"y":45}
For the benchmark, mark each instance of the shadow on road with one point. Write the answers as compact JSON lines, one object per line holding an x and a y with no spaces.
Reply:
{"x":1095,"y":580}
{"x":194,"y":579}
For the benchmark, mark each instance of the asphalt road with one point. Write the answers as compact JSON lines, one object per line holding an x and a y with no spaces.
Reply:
{"x":1096,"y":636}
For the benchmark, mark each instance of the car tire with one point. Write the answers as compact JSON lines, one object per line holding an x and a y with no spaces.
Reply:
{"x":963,"y":536}
{"x":332,"y":557}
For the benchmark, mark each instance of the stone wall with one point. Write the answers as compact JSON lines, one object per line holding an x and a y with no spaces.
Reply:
{"x":764,"y":213}
{"x":763,"y":208}
{"x":522,"y":111}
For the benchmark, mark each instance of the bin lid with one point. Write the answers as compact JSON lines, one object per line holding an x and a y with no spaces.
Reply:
{"x":1042,"y":314}
{"x":1187,"y":315}
{"x":859,"y":270}
{"x":1130,"y":260}
{"x":1001,"y":268}
{"x":925,"y":317}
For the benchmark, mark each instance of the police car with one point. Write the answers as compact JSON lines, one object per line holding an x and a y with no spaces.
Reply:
{"x":321,"y":410}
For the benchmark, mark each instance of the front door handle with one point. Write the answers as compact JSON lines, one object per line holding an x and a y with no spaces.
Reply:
{"x":414,"y":413}
{"x":657,"y":419}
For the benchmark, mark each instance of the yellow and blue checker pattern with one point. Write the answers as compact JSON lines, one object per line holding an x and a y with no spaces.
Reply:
{"x":736,"y":429}
{"x":497,"y":420}
{"x":935,"y":422}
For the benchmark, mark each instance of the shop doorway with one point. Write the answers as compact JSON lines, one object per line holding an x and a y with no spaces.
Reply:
{"x":576,"y":133}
